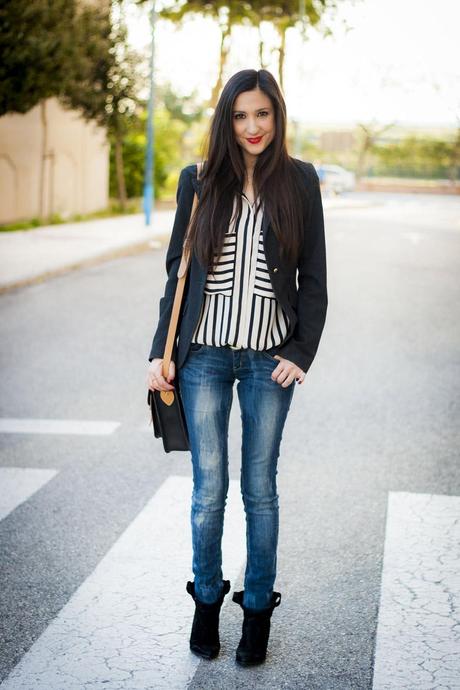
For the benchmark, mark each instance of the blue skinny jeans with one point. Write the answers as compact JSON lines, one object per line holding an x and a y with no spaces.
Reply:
{"x":206,"y":383}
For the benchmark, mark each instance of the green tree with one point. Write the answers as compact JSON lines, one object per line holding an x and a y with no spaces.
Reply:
{"x":187,"y":109}
{"x":168,"y":154}
{"x":416,"y":157}
{"x":229,"y":13}
{"x":78,"y":53}
{"x":104,"y":86}
{"x":289,"y":14}
{"x":37,"y":56}
{"x":454,"y":165}
{"x":36,"y":49}
{"x":368,"y":135}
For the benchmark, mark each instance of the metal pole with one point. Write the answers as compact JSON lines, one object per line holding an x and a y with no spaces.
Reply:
{"x":149,"y":154}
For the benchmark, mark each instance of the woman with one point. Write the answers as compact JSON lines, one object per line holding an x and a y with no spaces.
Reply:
{"x":259,"y":221}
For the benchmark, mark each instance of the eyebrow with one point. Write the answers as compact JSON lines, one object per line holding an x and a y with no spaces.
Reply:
{"x":257,"y":111}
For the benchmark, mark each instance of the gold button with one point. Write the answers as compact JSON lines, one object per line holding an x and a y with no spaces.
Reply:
{"x":275,"y":269}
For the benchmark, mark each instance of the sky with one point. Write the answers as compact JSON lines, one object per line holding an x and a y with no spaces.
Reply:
{"x":395,"y":61}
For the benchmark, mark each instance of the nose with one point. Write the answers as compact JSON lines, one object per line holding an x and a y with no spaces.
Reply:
{"x":252,"y":128}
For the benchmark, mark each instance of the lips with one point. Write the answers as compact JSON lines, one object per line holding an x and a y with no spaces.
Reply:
{"x":255,"y":141}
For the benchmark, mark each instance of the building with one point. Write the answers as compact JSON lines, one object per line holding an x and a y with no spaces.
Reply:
{"x":52,"y":161}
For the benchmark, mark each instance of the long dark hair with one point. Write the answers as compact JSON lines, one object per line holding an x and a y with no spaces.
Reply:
{"x":276,"y":178}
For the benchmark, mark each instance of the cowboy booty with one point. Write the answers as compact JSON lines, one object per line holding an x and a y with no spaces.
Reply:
{"x":204,"y":637}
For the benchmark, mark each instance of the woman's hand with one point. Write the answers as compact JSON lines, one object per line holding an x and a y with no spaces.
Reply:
{"x":155,"y":378}
{"x":286,"y":372}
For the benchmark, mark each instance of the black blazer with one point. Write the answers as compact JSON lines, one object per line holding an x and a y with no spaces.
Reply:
{"x":305,"y":304}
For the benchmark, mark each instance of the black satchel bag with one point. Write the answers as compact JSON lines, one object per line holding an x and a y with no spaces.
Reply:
{"x":166,"y":407}
{"x":169,"y":420}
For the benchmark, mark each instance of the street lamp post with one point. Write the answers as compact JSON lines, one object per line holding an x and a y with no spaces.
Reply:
{"x":149,"y":154}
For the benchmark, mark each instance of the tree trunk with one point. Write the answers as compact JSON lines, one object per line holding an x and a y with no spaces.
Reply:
{"x":261,"y":50}
{"x":370,"y":137}
{"x":282,"y":55}
{"x":119,"y":169}
{"x":224,"y":50}
{"x":362,"y":155}
{"x":43,"y":158}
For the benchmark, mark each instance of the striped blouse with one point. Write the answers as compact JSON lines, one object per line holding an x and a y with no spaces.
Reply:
{"x":239,"y":306}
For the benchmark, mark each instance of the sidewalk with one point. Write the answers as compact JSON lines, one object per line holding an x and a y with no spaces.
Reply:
{"x":30,"y":256}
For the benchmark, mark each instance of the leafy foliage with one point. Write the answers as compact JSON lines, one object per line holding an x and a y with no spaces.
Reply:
{"x":417,"y":157}
{"x":37,"y":51}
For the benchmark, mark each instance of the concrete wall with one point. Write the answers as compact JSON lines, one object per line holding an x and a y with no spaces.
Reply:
{"x":75,"y":173}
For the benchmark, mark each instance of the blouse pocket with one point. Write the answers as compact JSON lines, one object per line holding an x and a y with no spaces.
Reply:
{"x":220,"y":281}
{"x":262,"y":283}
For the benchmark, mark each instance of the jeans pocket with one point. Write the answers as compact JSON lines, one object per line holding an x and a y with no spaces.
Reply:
{"x":195,"y":347}
{"x":269,"y":356}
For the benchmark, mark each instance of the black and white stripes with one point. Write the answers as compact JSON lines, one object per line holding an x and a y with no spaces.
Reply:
{"x":239,"y":306}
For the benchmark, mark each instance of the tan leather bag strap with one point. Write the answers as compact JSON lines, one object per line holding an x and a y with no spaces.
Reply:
{"x":181,"y":278}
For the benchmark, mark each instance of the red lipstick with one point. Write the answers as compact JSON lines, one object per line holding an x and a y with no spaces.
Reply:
{"x":255,"y":140}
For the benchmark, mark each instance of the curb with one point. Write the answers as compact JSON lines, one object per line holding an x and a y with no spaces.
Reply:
{"x":128,"y":250}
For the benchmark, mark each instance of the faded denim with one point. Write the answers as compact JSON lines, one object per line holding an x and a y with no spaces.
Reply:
{"x":206,"y":382}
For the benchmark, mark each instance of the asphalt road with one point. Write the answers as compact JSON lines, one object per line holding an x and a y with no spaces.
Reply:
{"x":379,"y":413}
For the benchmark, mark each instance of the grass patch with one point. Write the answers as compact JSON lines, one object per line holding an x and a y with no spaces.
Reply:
{"x":114,"y":209}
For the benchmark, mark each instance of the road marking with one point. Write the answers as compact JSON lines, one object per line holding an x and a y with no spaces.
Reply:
{"x":18,"y":484}
{"x":414,"y":237}
{"x":418,"y":631}
{"x":128,"y":624}
{"x":57,"y":426}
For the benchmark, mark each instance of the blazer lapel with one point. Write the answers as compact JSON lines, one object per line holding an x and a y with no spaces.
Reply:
{"x":265,"y":225}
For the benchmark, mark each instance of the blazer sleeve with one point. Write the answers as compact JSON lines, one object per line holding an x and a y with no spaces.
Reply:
{"x":312,"y":297}
{"x":184,"y":200}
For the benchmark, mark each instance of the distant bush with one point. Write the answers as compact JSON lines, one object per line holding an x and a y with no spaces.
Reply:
{"x":168,"y":134}
{"x":417,"y":158}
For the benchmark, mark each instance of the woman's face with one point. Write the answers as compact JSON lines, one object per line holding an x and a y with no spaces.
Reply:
{"x":253,"y":122}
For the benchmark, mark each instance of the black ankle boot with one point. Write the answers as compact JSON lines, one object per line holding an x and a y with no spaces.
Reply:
{"x":252,"y":648}
{"x":204,"y":638}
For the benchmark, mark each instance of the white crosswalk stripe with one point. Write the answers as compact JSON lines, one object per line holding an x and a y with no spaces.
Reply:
{"x":418,"y":632}
{"x":17,"y":484}
{"x":57,"y":426}
{"x":127,"y":626}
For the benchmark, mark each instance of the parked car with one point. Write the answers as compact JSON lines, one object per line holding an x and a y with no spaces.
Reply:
{"x":336,"y":179}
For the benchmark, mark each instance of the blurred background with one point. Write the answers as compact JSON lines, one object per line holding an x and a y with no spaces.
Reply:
{"x":371,"y":87}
